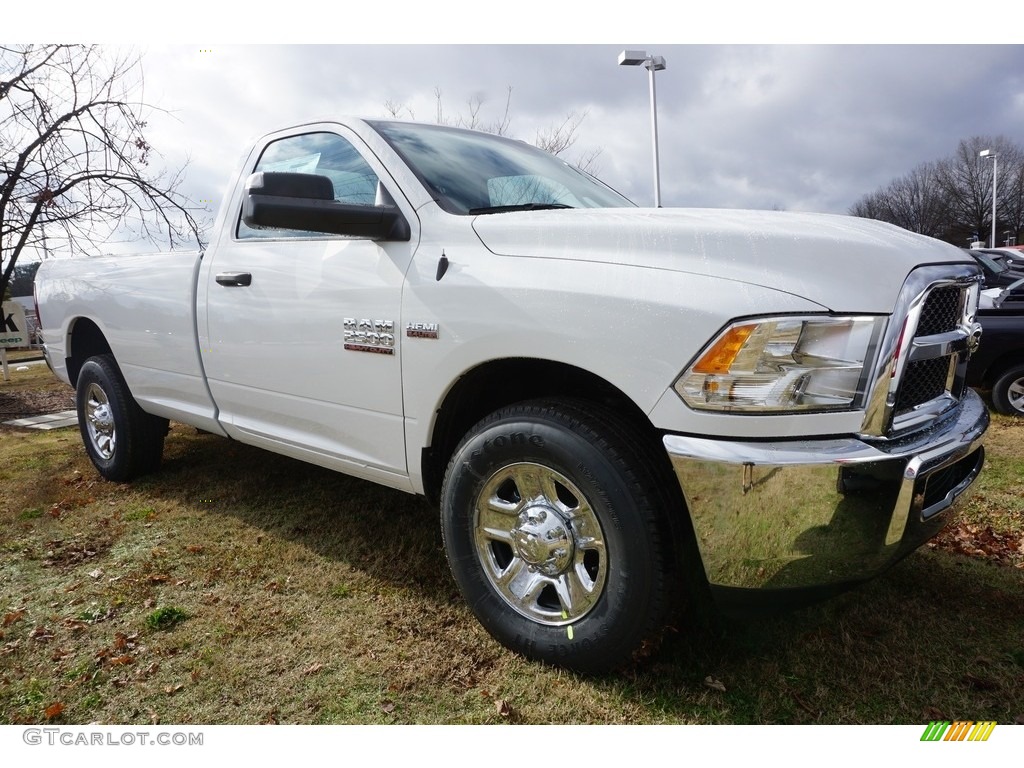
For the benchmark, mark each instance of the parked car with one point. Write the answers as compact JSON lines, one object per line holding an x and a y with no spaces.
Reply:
{"x":1014,"y":257}
{"x":996,"y":267}
{"x":998,"y":363}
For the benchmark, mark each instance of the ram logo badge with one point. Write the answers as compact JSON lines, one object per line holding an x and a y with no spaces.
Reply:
{"x":376,"y":336}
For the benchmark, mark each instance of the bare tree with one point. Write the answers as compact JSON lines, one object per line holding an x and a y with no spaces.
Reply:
{"x":916,"y":202}
{"x":1011,"y":193}
{"x":967,"y":185}
{"x":74,"y":160}
{"x":559,"y":138}
{"x":952,"y":198}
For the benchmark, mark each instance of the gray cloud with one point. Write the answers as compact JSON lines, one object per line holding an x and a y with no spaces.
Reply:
{"x":794,"y":127}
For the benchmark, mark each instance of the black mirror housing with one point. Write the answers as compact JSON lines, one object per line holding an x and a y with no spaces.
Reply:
{"x":305,"y":201}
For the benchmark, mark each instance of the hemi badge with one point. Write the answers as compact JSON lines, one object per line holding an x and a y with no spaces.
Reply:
{"x":421,"y":330}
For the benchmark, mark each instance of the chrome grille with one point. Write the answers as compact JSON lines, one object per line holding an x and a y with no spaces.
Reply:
{"x":936,"y":354}
{"x":923,"y":380}
{"x":942,"y":311}
{"x":921,"y":367}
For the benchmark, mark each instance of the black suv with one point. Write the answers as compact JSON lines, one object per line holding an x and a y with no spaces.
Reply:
{"x":998,"y":363}
{"x":998,"y":271}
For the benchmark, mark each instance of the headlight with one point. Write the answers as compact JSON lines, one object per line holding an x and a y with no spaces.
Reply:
{"x":781,"y":364}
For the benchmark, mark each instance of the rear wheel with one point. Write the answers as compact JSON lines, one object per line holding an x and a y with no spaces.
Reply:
{"x":122,"y":440}
{"x":554,"y":534}
{"x":1008,"y":392}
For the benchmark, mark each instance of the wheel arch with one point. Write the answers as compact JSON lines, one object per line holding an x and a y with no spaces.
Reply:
{"x":498,"y":383}
{"x":1000,"y":365}
{"x":85,"y":340}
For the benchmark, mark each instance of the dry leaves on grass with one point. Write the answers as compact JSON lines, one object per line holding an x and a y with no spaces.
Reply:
{"x":981,"y":541}
{"x":714,"y":684}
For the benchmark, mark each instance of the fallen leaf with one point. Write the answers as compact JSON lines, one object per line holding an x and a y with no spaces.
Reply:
{"x":41,"y":634}
{"x":169,"y":689}
{"x":120,"y":661}
{"x":13,"y":616}
{"x":313,"y":669}
{"x":387,"y":706}
{"x":503,"y":708}
{"x":195,"y":549}
{"x":711,"y":682}
{"x":96,"y":574}
{"x":54,"y":710}
{"x":979,"y":683}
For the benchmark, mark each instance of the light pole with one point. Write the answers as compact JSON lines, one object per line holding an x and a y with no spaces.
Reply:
{"x":653,"y":64}
{"x":995,"y":166}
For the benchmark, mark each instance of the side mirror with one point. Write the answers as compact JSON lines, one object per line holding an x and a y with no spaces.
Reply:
{"x":305,"y":201}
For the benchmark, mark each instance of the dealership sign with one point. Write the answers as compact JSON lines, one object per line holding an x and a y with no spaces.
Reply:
{"x":13,"y":328}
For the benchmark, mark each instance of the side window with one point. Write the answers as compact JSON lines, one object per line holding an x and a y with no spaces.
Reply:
{"x":325,"y":154}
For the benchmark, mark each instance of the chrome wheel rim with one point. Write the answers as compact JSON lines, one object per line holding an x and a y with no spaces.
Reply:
{"x":540,"y":543}
{"x":1015,"y":395}
{"x":99,"y":422}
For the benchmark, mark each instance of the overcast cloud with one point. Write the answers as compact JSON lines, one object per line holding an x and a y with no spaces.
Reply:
{"x":795,"y":127}
{"x":810,"y":128}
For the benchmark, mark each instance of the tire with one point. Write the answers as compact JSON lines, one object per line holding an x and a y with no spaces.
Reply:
{"x":1008,"y":392}
{"x":122,"y":440}
{"x":553,"y":532}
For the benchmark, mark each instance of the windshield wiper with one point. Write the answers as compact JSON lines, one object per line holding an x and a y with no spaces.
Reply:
{"x":523,"y":207}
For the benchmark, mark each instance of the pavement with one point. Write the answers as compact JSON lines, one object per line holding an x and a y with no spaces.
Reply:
{"x":47,"y":421}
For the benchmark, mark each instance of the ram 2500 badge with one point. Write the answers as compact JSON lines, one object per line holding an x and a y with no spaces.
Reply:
{"x":614,"y":407}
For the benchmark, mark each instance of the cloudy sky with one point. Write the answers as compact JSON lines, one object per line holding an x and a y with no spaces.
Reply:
{"x":762,"y":124}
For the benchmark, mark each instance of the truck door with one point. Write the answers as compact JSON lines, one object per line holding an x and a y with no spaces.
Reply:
{"x":301,"y":345}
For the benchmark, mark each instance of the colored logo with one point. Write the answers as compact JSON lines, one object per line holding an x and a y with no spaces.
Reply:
{"x":959,"y":730}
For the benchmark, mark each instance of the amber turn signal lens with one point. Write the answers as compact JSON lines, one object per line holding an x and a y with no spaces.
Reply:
{"x":720,"y":357}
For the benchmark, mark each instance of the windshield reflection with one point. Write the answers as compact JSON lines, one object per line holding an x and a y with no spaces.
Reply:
{"x":474,"y":172}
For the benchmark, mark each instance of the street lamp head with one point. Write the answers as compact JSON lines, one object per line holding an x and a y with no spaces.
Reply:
{"x":986,"y":153}
{"x":656,"y":63}
{"x":632,"y":58}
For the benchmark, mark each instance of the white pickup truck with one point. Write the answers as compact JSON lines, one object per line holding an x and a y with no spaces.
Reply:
{"x":615,"y":407}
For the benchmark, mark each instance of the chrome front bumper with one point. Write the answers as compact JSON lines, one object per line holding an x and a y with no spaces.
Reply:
{"x":823,"y":513}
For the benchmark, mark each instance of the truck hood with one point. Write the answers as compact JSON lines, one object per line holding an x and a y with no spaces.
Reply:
{"x":843,"y":263}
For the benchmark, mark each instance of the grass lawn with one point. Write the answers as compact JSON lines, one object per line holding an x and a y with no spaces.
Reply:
{"x":236,"y":586}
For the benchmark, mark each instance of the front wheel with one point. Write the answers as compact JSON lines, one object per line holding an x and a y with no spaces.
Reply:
{"x":122,"y":440}
{"x":1008,"y":392}
{"x":554,"y":535}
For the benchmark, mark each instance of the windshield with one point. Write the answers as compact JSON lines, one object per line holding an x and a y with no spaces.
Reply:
{"x":993,"y":265}
{"x":471,"y":172}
